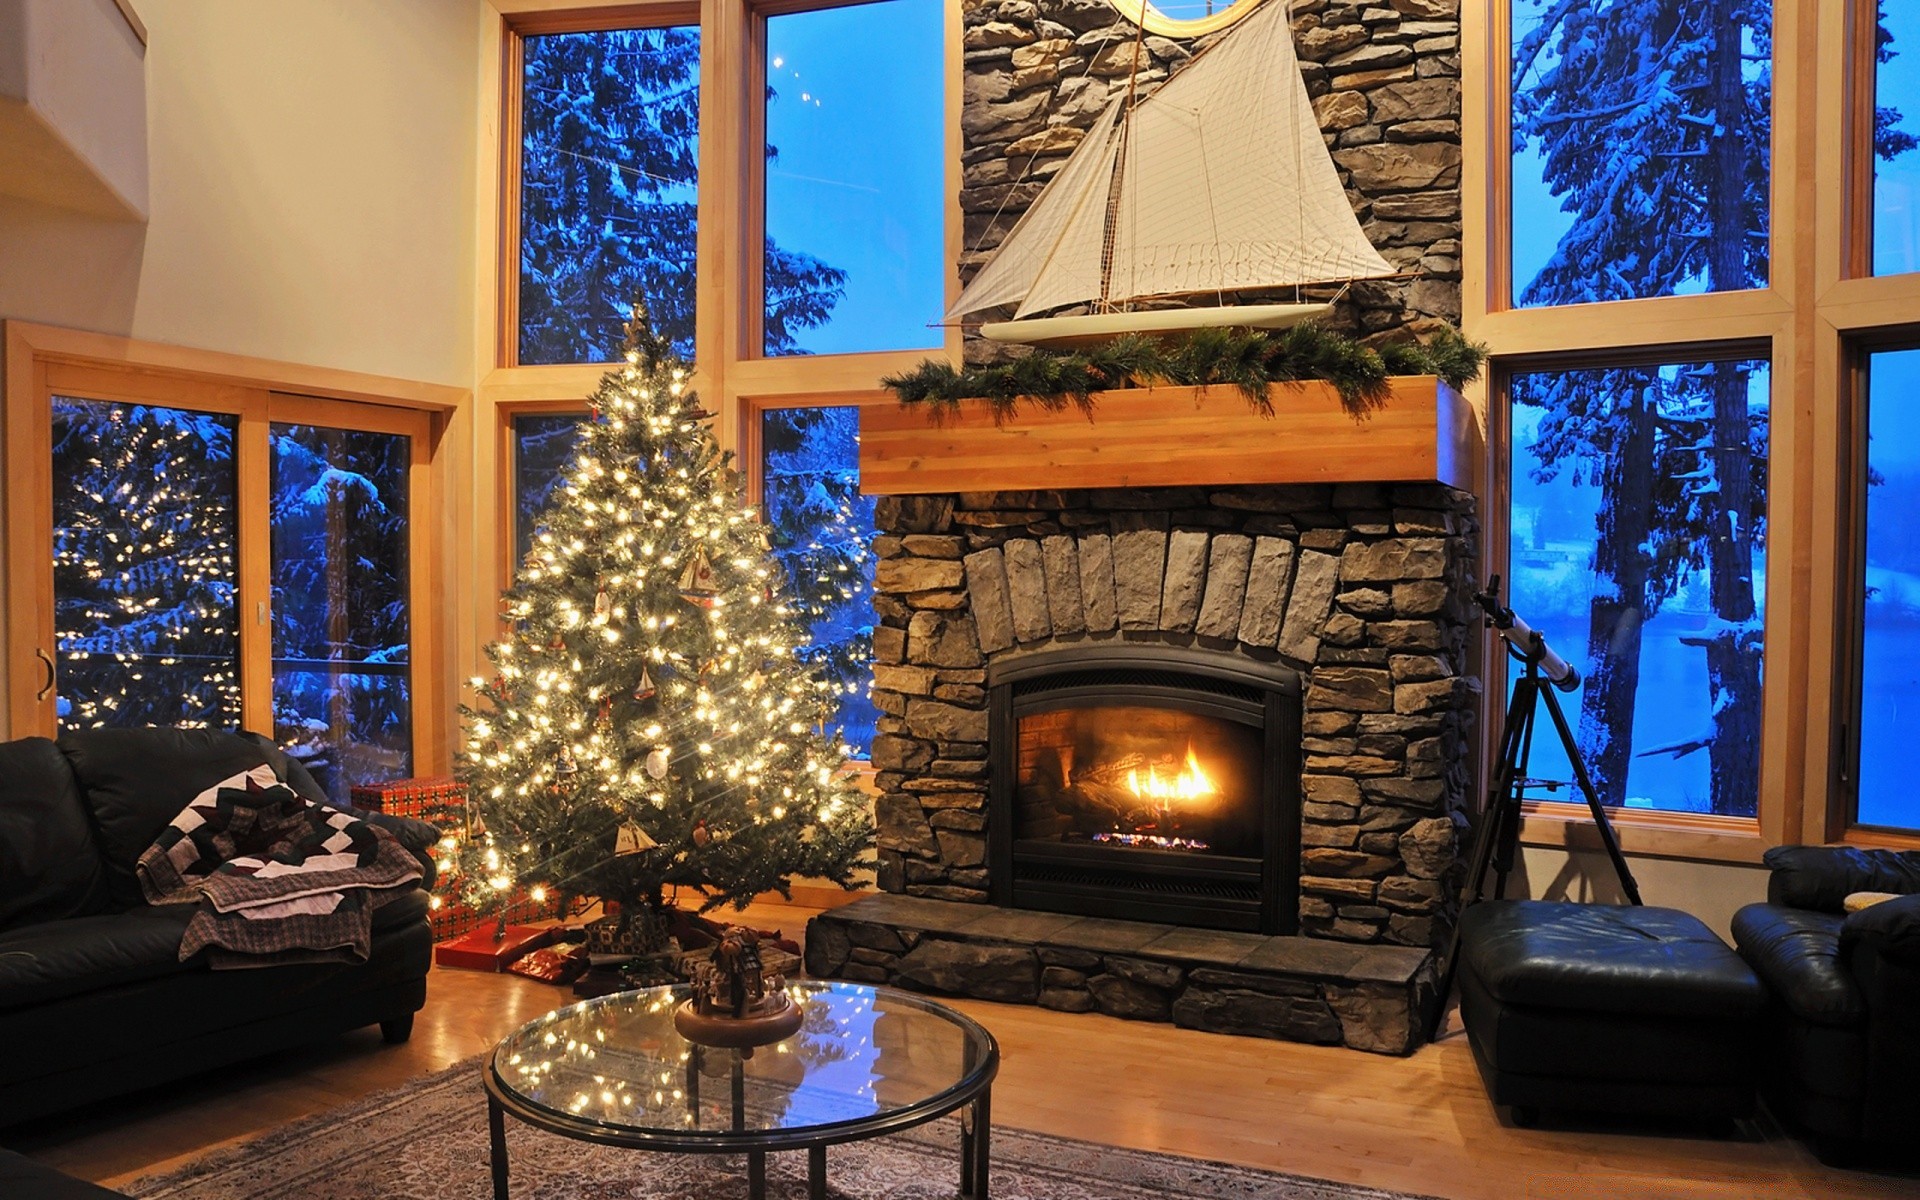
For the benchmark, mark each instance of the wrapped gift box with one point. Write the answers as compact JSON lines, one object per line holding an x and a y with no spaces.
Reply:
{"x":489,"y":948}
{"x":439,"y":800}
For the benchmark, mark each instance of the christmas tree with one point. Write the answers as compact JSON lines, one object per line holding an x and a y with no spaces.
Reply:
{"x":651,"y":725}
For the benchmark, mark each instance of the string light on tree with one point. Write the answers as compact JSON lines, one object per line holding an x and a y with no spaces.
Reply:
{"x":651,"y":724}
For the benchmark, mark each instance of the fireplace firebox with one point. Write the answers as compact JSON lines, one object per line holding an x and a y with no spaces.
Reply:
{"x":1153,"y":783}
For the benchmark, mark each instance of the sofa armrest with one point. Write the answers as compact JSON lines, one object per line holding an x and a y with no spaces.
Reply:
{"x":1822,"y":877}
{"x":1797,"y":954}
{"x":1890,"y":929}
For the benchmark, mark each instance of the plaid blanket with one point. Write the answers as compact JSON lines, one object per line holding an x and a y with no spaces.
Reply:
{"x":278,"y":878}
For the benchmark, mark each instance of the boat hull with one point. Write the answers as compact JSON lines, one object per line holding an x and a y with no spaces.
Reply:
{"x":1097,"y":329}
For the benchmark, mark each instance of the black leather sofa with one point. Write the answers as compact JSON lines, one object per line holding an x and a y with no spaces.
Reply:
{"x":93,"y":999}
{"x":1841,"y":1047}
{"x":23,"y":1179}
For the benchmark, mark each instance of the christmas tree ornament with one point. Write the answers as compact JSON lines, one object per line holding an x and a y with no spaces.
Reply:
{"x":631,"y":839}
{"x":657,"y":762}
{"x":603,"y":720}
{"x":697,"y":582}
{"x":602,"y":606}
{"x":567,"y":765}
{"x":645,"y":689}
{"x":701,"y":835}
{"x":556,"y":644}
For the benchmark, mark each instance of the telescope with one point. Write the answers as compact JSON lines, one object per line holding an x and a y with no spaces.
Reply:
{"x":1525,"y":640}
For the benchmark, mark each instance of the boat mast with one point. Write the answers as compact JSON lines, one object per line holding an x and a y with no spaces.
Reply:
{"x":1110,"y":228}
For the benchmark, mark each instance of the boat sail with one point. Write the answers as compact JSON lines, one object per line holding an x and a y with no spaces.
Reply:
{"x":1216,"y":183}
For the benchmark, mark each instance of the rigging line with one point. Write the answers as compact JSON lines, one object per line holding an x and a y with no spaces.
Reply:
{"x":1115,"y":188}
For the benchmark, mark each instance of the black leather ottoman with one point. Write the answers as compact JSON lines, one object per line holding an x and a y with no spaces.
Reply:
{"x":1604,"y":1009}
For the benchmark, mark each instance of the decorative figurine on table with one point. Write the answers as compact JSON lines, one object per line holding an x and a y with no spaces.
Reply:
{"x":735,"y":1003}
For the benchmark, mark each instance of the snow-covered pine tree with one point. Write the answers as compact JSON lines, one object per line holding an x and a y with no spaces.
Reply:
{"x":650,"y":726}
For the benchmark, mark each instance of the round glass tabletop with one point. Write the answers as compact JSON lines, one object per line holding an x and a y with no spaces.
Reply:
{"x":865,"y":1060}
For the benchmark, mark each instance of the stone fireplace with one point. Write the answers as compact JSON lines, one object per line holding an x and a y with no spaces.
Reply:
{"x":1176,"y":753}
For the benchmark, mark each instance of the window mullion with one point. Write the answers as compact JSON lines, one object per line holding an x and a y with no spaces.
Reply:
{"x":253,"y":454}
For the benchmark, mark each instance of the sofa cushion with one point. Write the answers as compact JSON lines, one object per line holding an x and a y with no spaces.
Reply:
{"x":1891,"y":928}
{"x":57,"y":959}
{"x":1797,"y":953}
{"x":1605,"y":958}
{"x":135,"y":781}
{"x":1822,"y":877}
{"x":49,"y":866}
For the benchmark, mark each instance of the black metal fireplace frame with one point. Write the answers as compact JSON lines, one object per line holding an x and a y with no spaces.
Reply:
{"x":1216,"y":892}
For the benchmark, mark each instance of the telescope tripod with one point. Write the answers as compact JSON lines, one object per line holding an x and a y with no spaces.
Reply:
{"x":1497,"y":839}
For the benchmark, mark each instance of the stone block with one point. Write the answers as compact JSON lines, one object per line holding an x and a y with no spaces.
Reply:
{"x":1096,"y":583}
{"x":1437,"y":696}
{"x":1340,"y":110}
{"x":889,"y":644}
{"x":908,"y":681}
{"x":1118,"y":997}
{"x":939,"y":640}
{"x":1351,"y":689}
{"x":891,"y":752}
{"x":1139,"y":562}
{"x":1428,"y":847}
{"x":1392,"y":560}
{"x":960,"y":847}
{"x":916,"y":574}
{"x":1396,"y":166}
{"x":1027,"y":589}
{"x":1422,"y":598}
{"x":1269,"y":576}
{"x":901,"y":825}
{"x":1408,"y":635}
{"x":1186,"y":576}
{"x":913,"y":514}
{"x":1228,"y":560}
{"x":1257,"y":1014}
{"x":1315,"y":579}
{"x":944,"y":722}
{"x":1061,"y":558}
{"x":986,"y":972}
{"x":1073,"y":1000}
{"x":828,"y":948}
{"x":1165,"y":976}
{"x":986,"y":574}
{"x":1375,"y":1018}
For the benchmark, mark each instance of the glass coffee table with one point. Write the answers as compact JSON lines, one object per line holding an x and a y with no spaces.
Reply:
{"x":867,"y":1061}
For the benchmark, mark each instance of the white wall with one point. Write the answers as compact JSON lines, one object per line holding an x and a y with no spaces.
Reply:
{"x":1711,"y":891}
{"x":311,"y":192}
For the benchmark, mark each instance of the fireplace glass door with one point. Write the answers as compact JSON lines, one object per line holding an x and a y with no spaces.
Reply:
{"x":1134,"y":777}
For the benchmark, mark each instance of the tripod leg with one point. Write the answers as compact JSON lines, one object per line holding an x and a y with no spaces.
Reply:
{"x":1585,"y":781}
{"x":1491,"y":831}
{"x":1514,"y":761}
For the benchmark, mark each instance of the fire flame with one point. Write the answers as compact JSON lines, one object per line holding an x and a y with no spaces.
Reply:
{"x":1190,"y":783}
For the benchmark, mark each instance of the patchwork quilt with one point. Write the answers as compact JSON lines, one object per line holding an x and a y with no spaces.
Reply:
{"x":277,"y":878}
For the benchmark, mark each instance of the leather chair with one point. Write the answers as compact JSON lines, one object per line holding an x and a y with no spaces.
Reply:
{"x":1841,"y":1047}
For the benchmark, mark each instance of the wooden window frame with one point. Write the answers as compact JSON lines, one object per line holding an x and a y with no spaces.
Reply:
{"x":42,"y":361}
{"x":1775,"y":321}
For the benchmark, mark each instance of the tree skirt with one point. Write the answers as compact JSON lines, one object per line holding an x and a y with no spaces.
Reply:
{"x":428,"y":1141}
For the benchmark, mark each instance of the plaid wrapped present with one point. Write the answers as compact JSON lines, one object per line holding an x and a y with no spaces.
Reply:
{"x":451,"y":919}
{"x":440,"y":800}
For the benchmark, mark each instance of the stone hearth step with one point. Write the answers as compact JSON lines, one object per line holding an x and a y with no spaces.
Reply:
{"x":1303,"y":989}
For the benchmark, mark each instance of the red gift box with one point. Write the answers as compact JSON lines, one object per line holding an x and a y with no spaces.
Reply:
{"x":439,"y":800}
{"x":481,"y":950}
{"x":450,"y":918}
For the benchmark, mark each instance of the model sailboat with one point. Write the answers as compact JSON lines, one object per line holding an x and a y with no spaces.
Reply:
{"x":1217,"y":183}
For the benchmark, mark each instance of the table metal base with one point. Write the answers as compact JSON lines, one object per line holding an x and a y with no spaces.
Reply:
{"x":976,"y":1132}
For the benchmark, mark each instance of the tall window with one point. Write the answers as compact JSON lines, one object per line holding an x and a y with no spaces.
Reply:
{"x":342,"y":637}
{"x":609,"y":171}
{"x":823,"y":537}
{"x":1889,"y":615}
{"x":856,"y":152}
{"x":145,"y":565}
{"x":1640,"y":148}
{"x":1896,"y":171}
{"x":1637,"y":544}
{"x":542,"y":445}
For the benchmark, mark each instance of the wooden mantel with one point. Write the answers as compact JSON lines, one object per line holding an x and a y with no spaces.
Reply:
{"x":1177,"y":436}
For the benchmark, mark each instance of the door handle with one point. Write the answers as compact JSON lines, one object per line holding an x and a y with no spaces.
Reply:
{"x":47,"y":660}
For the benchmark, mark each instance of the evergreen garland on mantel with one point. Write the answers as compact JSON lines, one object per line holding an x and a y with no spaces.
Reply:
{"x":1248,"y":359}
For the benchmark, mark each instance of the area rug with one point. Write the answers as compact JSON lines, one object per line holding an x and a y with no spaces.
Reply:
{"x":428,"y":1141}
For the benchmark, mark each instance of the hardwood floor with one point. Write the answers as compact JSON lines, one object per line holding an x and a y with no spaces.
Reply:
{"x":1419,"y":1124}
